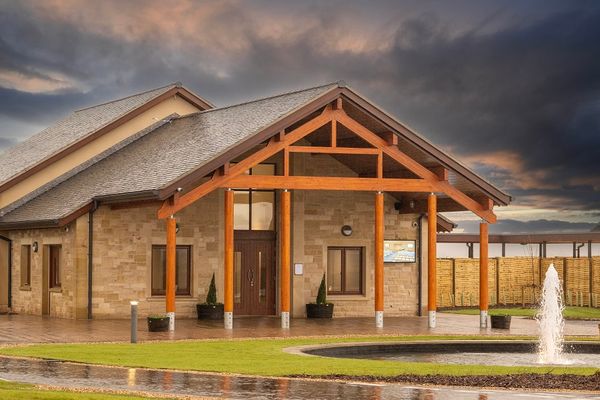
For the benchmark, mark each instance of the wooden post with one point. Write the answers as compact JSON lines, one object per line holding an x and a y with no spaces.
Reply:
{"x":228,"y":292}
{"x":171,"y":250}
{"x":483,"y":275}
{"x":285,"y":259}
{"x":432,"y":258}
{"x":379,"y":232}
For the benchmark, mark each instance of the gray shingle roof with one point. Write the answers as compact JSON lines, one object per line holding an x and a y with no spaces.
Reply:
{"x":164,"y":155}
{"x":69,"y":130}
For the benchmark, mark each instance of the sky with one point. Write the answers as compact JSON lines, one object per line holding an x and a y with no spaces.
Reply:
{"x":510,"y":88}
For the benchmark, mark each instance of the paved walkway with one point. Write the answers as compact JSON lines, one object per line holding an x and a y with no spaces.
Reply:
{"x":33,"y":329}
{"x":81,"y":376}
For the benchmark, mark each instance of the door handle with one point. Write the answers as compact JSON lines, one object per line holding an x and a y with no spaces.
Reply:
{"x":251,"y":276}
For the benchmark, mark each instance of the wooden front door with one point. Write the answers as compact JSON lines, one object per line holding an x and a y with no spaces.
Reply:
{"x":254,"y":273}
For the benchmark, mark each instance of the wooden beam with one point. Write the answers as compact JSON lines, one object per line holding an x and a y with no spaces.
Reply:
{"x":380,"y":164}
{"x":338,"y":105}
{"x":286,"y":161}
{"x":333,"y":150}
{"x":239,"y":168}
{"x":379,"y":235}
{"x":171,"y":250}
{"x":523,"y":239}
{"x":228,"y":239}
{"x":329,"y":183}
{"x":432,"y":259}
{"x":333,"y":134}
{"x":285,"y":259}
{"x":441,"y":172}
{"x":483,"y":273}
{"x":390,"y":137}
{"x":414,"y":166}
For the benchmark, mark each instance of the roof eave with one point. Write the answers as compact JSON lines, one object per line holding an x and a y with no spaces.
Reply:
{"x":184,"y":93}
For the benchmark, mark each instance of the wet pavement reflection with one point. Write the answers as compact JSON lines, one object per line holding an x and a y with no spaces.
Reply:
{"x":72,"y":375}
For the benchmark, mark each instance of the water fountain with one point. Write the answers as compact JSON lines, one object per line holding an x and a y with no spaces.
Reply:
{"x":550,"y":320}
{"x":549,"y":346}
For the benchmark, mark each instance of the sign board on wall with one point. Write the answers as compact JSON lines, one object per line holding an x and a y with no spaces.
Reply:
{"x":399,"y":251}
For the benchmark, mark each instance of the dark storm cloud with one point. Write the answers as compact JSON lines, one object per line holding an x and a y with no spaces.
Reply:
{"x":514,"y":93}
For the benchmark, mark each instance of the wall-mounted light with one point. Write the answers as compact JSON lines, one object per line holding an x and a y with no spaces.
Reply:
{"x":346,"y":230}
{"x":177,"y":227}
{"x":411,"y":204}
{"x":34,"y":246}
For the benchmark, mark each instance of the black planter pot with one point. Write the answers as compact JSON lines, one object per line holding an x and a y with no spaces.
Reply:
{"x":500,"y":321}
{"x":210,"y":311}
{"x":160,"y":324}
{"x":319,"y":310}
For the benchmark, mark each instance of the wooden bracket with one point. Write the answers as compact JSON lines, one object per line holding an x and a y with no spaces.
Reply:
{"x":391,"y":138}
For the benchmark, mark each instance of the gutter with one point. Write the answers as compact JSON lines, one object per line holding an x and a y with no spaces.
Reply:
{"x":9,"y":270}
{"x":90,"y":256}
{"x":419,"y":265}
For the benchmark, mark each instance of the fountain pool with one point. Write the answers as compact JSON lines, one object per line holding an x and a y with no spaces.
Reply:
{"x":551,"y":349}
{"x":488,"y":352}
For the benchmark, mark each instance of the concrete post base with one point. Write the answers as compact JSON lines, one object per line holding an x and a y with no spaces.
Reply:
{"x":171,"y":316}
{"x":379,"y":319}
{"x":432,"y":319}
{"x":285,"y":320}
{"x":228,"y":320}
{"x":483,"y":317}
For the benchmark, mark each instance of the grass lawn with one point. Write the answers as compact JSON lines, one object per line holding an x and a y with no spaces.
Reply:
{"x":263,"y":357}
{"x":19,"y":391}
{"x":569,"y":313}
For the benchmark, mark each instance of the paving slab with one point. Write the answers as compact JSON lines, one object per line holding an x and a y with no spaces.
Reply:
{"x":33,"y":329}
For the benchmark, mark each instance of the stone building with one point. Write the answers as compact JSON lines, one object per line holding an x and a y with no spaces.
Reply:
{"x":147,"y":197}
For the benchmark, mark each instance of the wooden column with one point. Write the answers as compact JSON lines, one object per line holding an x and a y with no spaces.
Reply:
{"x":483,"y":275}
{"x":285,"y":259}
{"x":171,"y":250}
{"x":431,"y":258}
{"x":228,"y":292}
{"x":379,"y":232}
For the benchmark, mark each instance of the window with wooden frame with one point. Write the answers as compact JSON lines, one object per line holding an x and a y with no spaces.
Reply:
{"x":26,"y":265}
{"x":183,"y":270}
{"x":54,"y":251}
{"x":345,"y":270}
{"x":254,"y":210}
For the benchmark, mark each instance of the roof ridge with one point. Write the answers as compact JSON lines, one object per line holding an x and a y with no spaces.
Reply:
{"x":174,"y":84}
{"x":337,"y":83}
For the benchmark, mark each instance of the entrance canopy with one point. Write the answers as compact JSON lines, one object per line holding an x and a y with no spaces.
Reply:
{"x":341,"y":125}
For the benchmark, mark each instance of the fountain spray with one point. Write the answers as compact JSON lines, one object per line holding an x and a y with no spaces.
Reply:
{"x":550,"y":320}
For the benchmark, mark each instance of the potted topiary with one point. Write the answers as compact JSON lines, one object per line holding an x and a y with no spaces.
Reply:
{"x":158,"y":323}
{"x":321,"y":308}
{"x":500,"y":321}
{"x":210,"y":309}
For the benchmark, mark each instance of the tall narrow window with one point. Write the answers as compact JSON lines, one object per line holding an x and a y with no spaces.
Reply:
{"x":26,"y":265}
{"x":345,"y":270}
{"x":255,"y":209}
{"x":183,"y":270}
{"x":54,"y":251}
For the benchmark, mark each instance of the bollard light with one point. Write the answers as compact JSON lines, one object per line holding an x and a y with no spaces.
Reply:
{"x":134,"y":305}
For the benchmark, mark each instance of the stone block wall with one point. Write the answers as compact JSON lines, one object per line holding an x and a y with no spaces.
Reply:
{"x":324,"y":214}
{"x":28,"y":300}
{"x":123,"y":241}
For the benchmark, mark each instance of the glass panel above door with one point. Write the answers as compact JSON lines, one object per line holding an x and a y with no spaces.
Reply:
{"x":263,"y":205}
{"x":241,"y":210}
